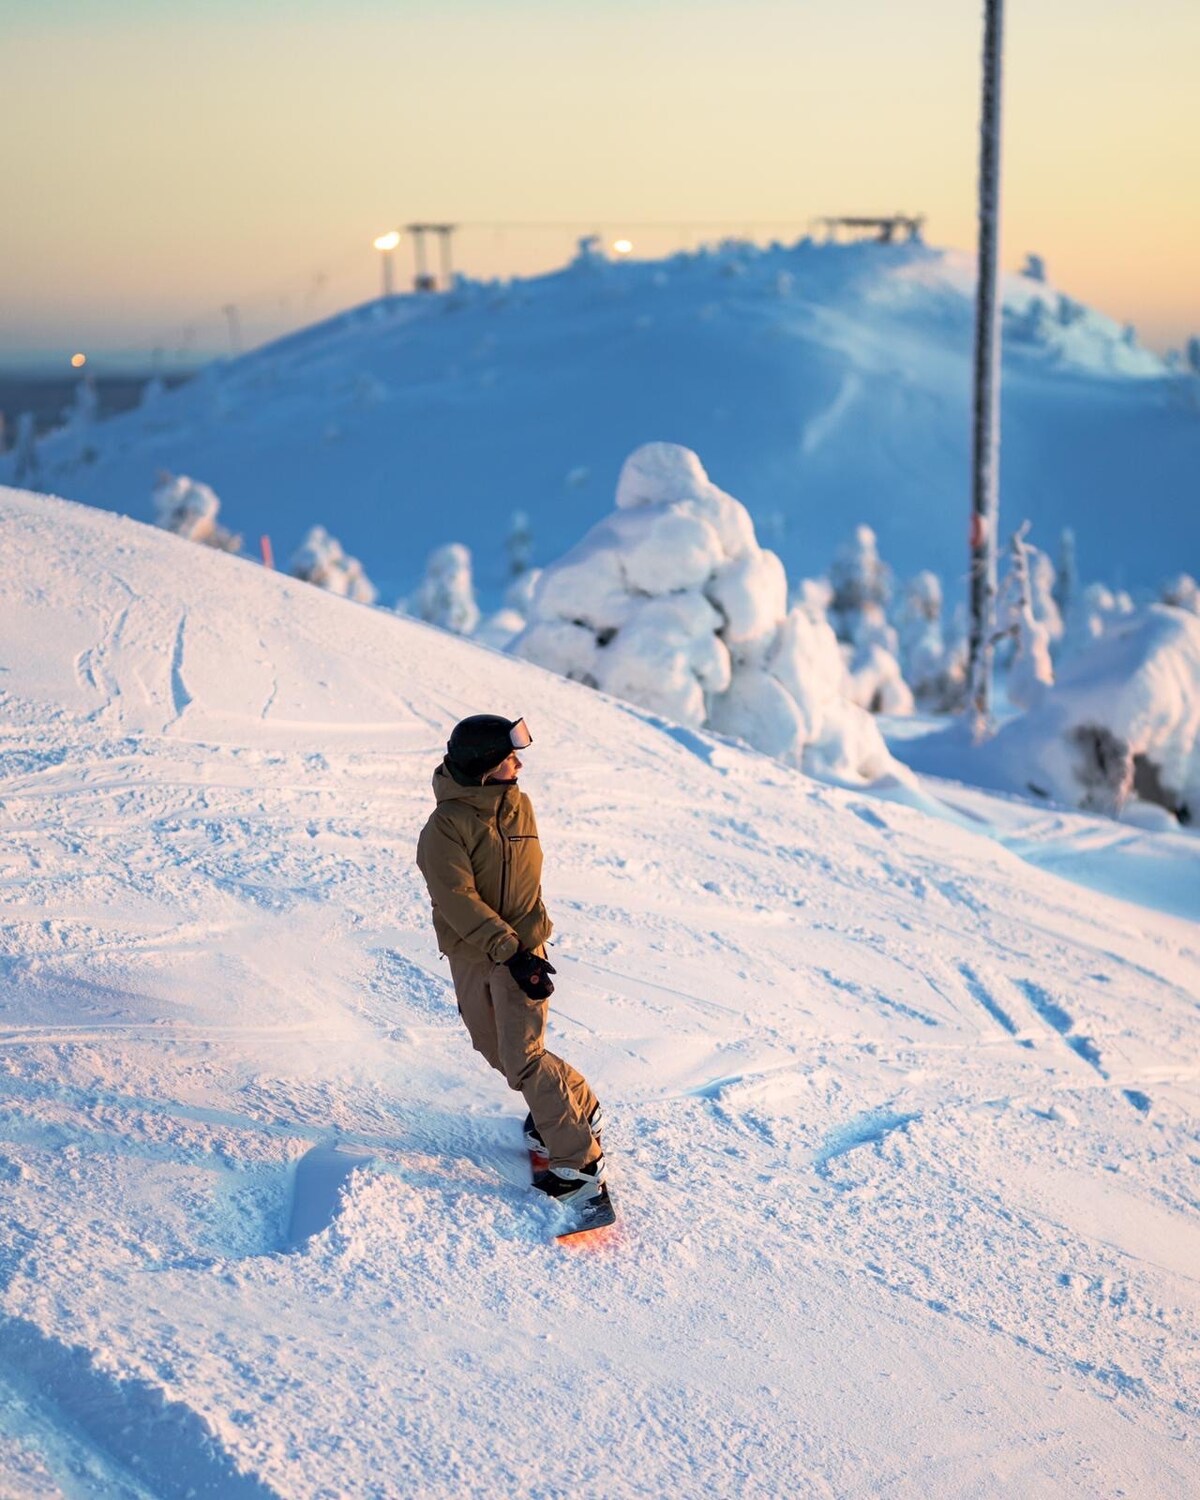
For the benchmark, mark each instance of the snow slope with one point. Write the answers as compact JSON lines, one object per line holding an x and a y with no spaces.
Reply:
{"x":824,"y":385}
{"x":902,"y":1130}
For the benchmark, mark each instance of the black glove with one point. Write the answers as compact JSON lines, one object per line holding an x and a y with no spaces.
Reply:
{"x":532,"y":973}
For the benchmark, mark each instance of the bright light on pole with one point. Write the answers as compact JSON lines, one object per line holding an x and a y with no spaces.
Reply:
{"x":78,"y":361}
{"x":386,"y":244}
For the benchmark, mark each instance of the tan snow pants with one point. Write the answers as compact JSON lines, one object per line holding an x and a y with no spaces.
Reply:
{"x":509,"y":1029}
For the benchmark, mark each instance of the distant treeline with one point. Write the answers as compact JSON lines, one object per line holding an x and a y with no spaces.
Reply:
{"x":49,"y":396}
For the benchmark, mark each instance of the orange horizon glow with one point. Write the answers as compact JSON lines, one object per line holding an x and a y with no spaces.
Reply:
{"x":162,"y":164}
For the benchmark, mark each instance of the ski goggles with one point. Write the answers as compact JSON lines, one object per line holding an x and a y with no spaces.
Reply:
{"x":519,"y":735}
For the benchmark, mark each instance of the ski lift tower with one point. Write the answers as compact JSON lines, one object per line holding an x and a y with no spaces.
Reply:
{"x":884,"y":228}
{"x":425,"y":280}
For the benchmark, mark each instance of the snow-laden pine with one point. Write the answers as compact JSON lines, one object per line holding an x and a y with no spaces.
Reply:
{"x":671,"y":603}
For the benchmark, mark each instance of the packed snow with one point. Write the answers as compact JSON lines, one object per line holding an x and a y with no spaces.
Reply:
{"x":901,"y":1127}
{"x":825,"y":385}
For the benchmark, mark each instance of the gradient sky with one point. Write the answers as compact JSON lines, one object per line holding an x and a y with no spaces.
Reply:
{"x":161,"y":158}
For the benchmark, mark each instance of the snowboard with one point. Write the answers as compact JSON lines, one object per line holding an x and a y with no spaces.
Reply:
{"x":596,"y":1213}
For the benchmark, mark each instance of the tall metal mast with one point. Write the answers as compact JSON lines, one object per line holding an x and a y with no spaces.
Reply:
{"x":985,"y":427}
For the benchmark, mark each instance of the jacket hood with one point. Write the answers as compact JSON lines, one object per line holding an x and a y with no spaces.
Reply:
{"x":446,"y":789}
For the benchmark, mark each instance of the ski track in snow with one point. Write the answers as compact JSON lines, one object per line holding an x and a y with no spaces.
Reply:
{"x":902,"y":1131}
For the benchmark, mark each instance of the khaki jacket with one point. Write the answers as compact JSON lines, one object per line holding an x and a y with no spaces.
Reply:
{"x":480,"y":856}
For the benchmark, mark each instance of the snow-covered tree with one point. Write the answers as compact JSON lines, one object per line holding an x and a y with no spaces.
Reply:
{"x":1030,"y":669}
{"x":1182,"y":592}
{"x":862,"y":587}
{"x":1034,"y":267}
{"x":1097,"y":608}
{"x":1191,"y":354}
{"x":320,"y":560}
{"x":446,"y":595}
{"x":814,"y":596}
{"x":1066,"y":582}
{"x":499,"y":630}
{"x":519,"y":544}
{"x":80,"y":417}
{"x":671,"y":603}
{"x":190,"y":509}
{"x":1043,"y":580}
{"x":934,"y":673}
{"x":26,"y":466}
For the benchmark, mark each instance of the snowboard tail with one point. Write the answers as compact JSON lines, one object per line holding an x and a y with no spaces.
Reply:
{"x":596,"y":1213}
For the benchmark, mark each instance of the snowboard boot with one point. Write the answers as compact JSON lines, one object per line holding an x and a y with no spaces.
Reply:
{"x":572,"y":1185}
{"x":537,"y":1147}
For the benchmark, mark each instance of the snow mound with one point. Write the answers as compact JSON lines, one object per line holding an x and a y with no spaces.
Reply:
{"x":1124,"y":718}
{"x":671,"y":604}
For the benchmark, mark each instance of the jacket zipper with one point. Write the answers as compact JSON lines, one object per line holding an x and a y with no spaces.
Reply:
{"x":503,"y":849}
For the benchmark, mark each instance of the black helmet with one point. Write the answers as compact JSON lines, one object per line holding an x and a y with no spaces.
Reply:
{"x":477,"y":745}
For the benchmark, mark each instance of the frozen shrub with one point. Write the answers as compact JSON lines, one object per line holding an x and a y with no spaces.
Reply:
{"x":446,"y":595}
{"x":671,"y":603}
{"x":190,"y":509}
{"x":320,"y":560}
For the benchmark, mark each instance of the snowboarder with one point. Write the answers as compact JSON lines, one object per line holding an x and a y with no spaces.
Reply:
{"x":481,"y":859}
